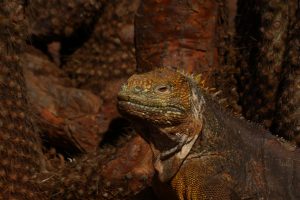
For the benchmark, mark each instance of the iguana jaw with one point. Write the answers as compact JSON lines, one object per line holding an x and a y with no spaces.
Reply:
{"x":155,"y":112}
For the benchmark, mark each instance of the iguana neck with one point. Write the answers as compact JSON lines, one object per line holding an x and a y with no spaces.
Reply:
{"x":171,"y":145}
{"x":170,"y":152}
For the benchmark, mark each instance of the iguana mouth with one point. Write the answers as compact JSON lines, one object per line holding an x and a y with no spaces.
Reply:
{"x":154,"y":107}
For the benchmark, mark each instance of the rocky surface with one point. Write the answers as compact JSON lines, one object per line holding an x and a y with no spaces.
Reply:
{"x":68,"y":118}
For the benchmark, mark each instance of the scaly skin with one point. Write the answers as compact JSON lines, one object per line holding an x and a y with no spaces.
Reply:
{"x":201,"y":151}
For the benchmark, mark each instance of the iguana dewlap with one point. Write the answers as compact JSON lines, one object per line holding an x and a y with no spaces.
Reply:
{"x":201,"y":151}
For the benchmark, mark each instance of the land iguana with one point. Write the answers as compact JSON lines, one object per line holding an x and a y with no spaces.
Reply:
{"x":200,"y":150}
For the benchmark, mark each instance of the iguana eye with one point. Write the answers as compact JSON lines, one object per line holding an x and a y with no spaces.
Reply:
{"x":162,"y":89}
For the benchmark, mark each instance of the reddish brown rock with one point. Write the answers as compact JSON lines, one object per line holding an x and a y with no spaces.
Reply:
{"x":69,"y":118}
{"x":107,"y":174}
{"x":136,"y":167}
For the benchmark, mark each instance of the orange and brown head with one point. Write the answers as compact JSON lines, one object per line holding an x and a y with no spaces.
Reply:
{"x":161,"y":97}
{"x":166,"y":107}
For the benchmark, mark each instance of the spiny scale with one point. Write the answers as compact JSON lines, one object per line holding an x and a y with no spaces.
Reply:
{"x":215,"y":94}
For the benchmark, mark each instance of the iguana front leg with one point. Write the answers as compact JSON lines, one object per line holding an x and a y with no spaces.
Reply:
{"x":201,"y":179}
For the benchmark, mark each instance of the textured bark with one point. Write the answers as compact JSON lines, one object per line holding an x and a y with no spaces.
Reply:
{"x":262,"y":39}
{"x":59,"y":18}
{"x":180,"y":34}
{"x":106,"y":59}
{"x":287,"y":120}
{"x":109,"y":52}
{"x":192,"y":35}
{"x":20,"y":148}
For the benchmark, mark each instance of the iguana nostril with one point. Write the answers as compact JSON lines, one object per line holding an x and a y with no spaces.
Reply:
{"x":123,"y":87}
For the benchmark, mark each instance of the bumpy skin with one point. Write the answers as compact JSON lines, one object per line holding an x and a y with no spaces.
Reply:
{"x":20,"y":149}
{"x":202,"y":152}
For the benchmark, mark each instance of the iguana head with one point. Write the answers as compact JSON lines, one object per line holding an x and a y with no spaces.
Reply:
{"x":165,"y":106}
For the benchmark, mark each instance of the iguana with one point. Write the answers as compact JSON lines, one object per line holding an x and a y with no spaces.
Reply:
{"x":200,"y":150}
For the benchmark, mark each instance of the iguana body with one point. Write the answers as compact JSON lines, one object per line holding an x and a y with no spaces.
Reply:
{"x":202,"y":152}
